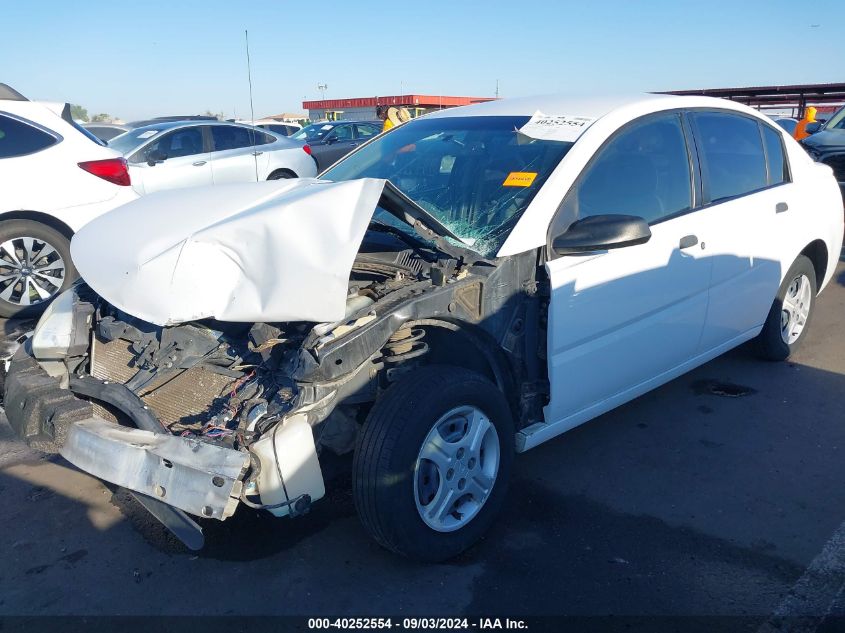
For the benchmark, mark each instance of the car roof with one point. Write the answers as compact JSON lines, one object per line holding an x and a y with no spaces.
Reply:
{"x":370,"y":121}
{"x":578,"y":105}
{"x":169,"y":125}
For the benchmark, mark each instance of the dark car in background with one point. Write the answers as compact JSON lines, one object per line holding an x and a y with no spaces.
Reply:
{"x":828,"y":146}
{"x":330,"y":141}
{"x":106,"y":131}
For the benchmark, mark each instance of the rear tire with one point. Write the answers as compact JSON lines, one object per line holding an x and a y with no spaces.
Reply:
{"x":281,"y":174}
{"x":433,"y":509}
{"x":35,"y":266}
{"x":790,"y":314}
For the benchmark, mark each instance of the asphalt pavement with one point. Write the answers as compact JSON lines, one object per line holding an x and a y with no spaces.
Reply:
{"x":720,"y":493}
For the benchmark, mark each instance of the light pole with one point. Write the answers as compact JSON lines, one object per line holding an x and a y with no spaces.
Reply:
{"x":322,"y":88}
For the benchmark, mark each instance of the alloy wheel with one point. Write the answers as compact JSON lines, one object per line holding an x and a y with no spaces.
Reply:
{"x":31,"y":271}
{"x":456,"y":468}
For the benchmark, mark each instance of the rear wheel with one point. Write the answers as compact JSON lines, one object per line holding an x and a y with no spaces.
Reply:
{"x":789,"y":316}
{"x":35,"y":266}
{"x":432,"y":462}
{"x":281,"y":174}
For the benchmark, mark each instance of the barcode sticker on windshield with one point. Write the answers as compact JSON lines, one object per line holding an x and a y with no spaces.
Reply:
{"x":556,"y":127}
{"x":148,"y":134}
{"x":520,"y":179}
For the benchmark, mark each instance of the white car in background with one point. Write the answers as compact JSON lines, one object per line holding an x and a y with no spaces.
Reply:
{"x":175,"y":154}
{"x":54,"y":178}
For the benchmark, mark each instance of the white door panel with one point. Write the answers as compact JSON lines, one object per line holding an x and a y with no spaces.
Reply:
{"x":238,"y":165}
{"x":624,"y":316}
{"x":746,"y":245}
{"x":173,"y":173}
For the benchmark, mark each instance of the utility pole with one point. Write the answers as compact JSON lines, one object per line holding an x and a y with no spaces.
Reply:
{"x":497,"y":88}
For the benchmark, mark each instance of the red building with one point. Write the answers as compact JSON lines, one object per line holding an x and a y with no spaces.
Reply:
{"x":364,"y":108}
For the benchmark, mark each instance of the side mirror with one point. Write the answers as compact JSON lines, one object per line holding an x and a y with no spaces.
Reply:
{"x":155,"y":157}
{"x":331,"y":140}
{"x":602,"y":232}
{"x":813,"y":127}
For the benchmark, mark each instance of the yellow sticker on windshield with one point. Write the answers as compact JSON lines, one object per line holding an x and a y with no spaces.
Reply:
{"x":520,"y":179}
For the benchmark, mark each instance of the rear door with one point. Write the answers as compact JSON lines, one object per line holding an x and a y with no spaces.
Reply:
{"x":176,"y":159}
{"x":749,"y":202}
{"x":236,"y":155}
{"x":623,"y":321}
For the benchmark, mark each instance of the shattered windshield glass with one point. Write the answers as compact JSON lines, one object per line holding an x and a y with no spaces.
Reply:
{"x":476,"y":175}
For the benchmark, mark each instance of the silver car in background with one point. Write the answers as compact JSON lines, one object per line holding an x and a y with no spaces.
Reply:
{"x":174,"y":154}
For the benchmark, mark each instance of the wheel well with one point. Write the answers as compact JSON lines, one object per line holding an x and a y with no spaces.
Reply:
{"x":471,"y":348}
{"x":290,"y":172}
{"x":43,"y":218}
{"x":817,"y":253}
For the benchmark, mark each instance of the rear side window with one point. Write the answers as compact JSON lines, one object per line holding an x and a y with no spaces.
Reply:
{"x":230,"y":137}
{"x":19,"y":139}
{"x":642,"y":171}
{"x":263,"y":139}
{"x":775,"y":156}
{"x":731,"y":152}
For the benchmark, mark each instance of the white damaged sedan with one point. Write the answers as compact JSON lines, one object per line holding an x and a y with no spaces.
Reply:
{"x":460,"y":289}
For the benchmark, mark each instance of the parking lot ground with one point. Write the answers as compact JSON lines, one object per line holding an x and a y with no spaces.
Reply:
{"x":719,"y":493}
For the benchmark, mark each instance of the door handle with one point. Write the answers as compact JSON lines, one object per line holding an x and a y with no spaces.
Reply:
{"x":199,"y":163}
{"x":780,"y":207}
{"x":257,"y":153}
{"x":688,"y":241}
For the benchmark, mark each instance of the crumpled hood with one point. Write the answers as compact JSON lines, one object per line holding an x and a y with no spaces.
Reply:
{"x":266,"y":251}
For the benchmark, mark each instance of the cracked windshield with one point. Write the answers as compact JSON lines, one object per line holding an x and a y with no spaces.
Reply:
{"x":476,"y":175}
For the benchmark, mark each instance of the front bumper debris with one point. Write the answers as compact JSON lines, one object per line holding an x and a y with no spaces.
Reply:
{"x":200,"y":478}
{"x":196,"y":476}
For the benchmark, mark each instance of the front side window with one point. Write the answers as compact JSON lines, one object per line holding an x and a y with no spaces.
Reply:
{"x":184,"y":142}
{"x":19,"y":139}
{"x":367,"y":131}
{"x":643,"y":171}
{"x":476,"y":175}
{"x":837,"y":121}
{"x":341,"y":133}
{"x":775,"y":156}
{"x":731,"y":152}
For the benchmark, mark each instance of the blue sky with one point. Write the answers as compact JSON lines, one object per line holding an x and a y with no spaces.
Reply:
{"x":178,"y":57}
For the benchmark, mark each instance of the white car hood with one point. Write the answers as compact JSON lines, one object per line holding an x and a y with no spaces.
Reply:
{"x":266,"y":251}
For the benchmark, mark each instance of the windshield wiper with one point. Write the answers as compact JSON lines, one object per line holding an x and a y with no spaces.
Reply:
{"x":409,"y":211}
{"x":426,"y":225}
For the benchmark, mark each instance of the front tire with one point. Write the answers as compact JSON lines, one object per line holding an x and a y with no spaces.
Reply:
{"x":35,"y":266}
{"x":432,"y":462}
{"x":790,"y":314}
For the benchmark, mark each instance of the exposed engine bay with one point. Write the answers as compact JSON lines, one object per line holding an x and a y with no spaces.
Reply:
{"x":199,"y":417}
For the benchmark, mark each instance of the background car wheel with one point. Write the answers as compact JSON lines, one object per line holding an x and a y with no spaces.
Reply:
{"x":432,"y":462}
{"x":281,"y":174}
{"x":791,"y":312}
{"x":35,"y":266}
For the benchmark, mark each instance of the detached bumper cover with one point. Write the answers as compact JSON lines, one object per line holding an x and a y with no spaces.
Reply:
{"x":198,"y":477}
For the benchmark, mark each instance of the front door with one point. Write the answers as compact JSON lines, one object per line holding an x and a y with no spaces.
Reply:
{"x":177,"y":159}
{"x":622,"y":321}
